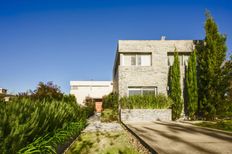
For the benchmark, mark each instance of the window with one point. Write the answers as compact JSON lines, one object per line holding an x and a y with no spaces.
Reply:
{"x":133,"y":59}
{"x":142,"y":91}
{"x":183,"y":58}
{"x":136,"y":60}
{"x":74,"y":87}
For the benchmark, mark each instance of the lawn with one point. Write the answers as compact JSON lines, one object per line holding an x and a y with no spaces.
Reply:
{"x":103,"y":143}
{"x":222,"y":125}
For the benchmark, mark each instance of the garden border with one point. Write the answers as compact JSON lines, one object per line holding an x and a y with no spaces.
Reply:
{"x":144,"y":144}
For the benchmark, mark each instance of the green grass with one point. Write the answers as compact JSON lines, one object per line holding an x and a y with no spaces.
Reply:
{"x":222,"y":125}
{"x":109,"y":115}
{"x":103,"y":143}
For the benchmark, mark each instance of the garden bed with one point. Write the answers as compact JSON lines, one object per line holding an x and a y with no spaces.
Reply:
{"x":102,"y":143}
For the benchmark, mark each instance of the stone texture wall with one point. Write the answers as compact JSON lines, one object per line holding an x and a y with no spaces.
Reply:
{"x":155,"y":75}
{"x":138,"y":115}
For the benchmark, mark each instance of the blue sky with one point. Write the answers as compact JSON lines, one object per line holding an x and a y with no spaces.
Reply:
{"x":61,"y":40}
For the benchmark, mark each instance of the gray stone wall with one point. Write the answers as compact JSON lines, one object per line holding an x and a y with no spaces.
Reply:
{"x":155,"y":75}
{"x":138,"y":115}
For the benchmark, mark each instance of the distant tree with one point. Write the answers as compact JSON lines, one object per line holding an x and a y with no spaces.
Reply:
{"x":175,"y":89}
{"x":210,"y":59}
{"x":48,"y":91}
{"x":191,"y":86}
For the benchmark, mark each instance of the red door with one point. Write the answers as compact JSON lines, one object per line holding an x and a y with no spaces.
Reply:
{"x":98,"y":106}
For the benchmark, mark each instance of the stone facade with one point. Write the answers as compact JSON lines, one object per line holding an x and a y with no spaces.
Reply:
{"x":155,"y":75}
{"x":142,"y":115}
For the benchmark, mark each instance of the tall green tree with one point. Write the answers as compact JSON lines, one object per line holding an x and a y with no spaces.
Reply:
{"x":191,"y":86}
{"x":175,"y":89}
{"x":210,"y":59}
{"x":226,"y":108}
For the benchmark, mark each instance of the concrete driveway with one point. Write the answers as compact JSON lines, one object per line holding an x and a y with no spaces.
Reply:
{"x":177,"y":138}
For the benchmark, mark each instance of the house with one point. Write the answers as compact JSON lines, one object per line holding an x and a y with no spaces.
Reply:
{"x":142,"y":66}
{"x":4,"y":95}
{"x":90,"y":89}
{"x":3,"y":91}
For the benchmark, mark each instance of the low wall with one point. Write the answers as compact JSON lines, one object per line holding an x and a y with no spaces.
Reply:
{"x":135,"y":115}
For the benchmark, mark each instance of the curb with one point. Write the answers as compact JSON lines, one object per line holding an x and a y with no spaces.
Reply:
{"x":148,"y":147}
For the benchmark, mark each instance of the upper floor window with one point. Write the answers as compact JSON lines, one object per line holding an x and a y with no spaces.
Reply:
{"x":183,"y":58}
{"x":136,"y":60}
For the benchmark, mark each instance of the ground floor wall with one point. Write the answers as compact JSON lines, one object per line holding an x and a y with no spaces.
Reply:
{"x":135,"y":115}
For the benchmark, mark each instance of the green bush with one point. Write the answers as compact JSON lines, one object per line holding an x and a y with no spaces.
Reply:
{"x":159,"y":101}
{"x":109,"y":115}
{"x":49,"y":143}
{"x":110,"y":108}
{"x":110,"y":101}
{"x":90,"y":105}
{"x":23,"y":120}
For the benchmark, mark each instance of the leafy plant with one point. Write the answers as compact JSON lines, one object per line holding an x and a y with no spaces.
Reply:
{"x":109,"y":115}
{"x":110,"y":101}
{"x":159,"y":101}
{"x":50,"y":142}
{"x":23,"y":120}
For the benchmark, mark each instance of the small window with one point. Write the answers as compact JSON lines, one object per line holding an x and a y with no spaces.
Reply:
{"x":74,"y":87}
{"x":139,"y":60}
{"x":133,"y":59}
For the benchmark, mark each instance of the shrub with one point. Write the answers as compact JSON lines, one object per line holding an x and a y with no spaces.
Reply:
{"x":89,"y":106}
{"x":110,"y":101}
{"x":109,"y":115}
{"x":110,"y":108}
{"x":23,"y":120}
{"x":159,"y":101}
{"x":50,"y":143}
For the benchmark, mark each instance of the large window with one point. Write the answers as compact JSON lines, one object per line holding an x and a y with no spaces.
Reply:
{"x":136,"y":60}
{"x":142,"y":91}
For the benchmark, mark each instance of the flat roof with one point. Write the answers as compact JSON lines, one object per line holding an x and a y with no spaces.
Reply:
{"x":90,"y":83}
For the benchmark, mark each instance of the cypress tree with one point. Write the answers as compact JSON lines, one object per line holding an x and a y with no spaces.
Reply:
{"x":210,"y":59}
{"x":191,"y":86}
{"x":226,"y":86}
{"x":175,"y":89}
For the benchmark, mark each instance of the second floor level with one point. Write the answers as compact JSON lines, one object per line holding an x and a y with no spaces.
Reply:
{"x":137,"y":54}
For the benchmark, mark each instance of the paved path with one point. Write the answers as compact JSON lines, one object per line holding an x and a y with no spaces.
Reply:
{"x":94,"y":124}
{"x":177,"y":138}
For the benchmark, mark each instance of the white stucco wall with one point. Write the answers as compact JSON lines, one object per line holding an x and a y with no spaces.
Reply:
{"x":93,"y":89}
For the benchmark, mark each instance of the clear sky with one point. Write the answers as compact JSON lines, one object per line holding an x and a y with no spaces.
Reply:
{"x":63,"y":40}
